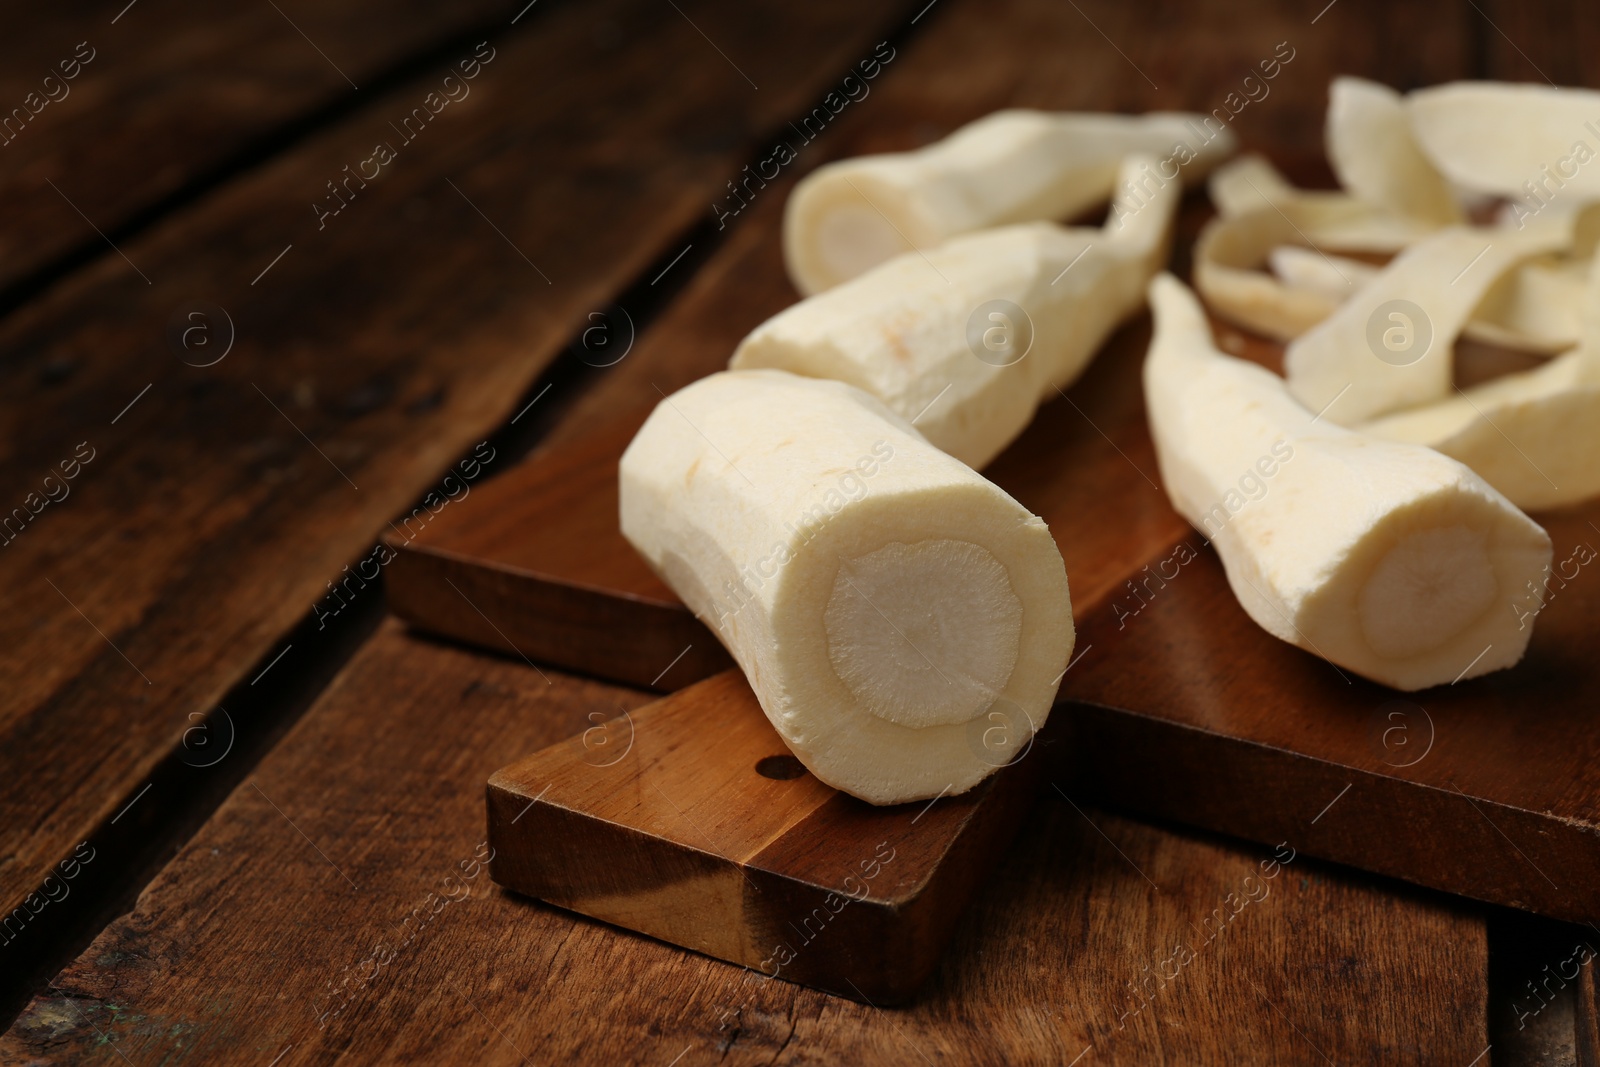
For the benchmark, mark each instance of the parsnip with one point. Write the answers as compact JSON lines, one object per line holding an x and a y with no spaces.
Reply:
{"x":902,"y":620}
{"x":1535,"y":436}
{"x":1376,"y":157}
{"x":912,"y":330}
{"x":1535,"y":143}
{"x":1336,"y":367}
{"x":1336,"y":277}
{"x":1534,"y":307}
{"x":1011,"y":166}
{"x":1387,"y":559}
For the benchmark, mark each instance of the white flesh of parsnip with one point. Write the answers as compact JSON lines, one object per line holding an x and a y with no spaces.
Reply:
{"x":1011,"y":166}
{"x":1535,"y":435}
{"x":1518,"y":141}
{"x":1532,"y":308}
{"x":902,"y":620}
{"x":1335,"y":368}
{"x":1389,"y":560}
{"x":903,"y":331}
{"x":1376,"y":156}
{"x":1336,"y":277}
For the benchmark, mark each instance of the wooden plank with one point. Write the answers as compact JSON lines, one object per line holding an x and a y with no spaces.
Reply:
{"x":211,"y":507}
{"x":1501,"y":768}
{"x":163,"y":98}
{"x":1587,"y":1018}
{"x":336,"y":907}
{"x":721,"y":842}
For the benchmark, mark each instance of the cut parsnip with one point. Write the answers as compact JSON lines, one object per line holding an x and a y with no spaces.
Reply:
{"x":1387,"y":559}
{"x":1527,"y":142}
{"x":927,"y":333}
{"x":1011,"y":166}
{"x":902,"y":620}
{"x":1376,"y":156}
{"x":1391,"y":345}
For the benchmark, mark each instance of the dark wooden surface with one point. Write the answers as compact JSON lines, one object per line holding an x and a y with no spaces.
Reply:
{"x":174,"y":99}
{"x":219,"y":509}
{"x":336,"y":908}
{"x":207,"y":525}
{"x":689,"y":821}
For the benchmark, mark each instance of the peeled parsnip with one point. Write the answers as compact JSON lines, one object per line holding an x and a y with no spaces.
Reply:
{"x":913,"y":331}
{"x":902,"y":620}
{"x":1387,"y":559}
{"x":1011,"y":166}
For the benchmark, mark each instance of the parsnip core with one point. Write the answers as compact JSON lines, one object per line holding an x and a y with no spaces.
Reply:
{"x":1428,"y":588}
{"x":852,"y":238}
{"x":926,"y":633}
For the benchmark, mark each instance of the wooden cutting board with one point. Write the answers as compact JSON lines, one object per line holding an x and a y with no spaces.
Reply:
{"x":689,"y":820}
{"x":1185,"y":709}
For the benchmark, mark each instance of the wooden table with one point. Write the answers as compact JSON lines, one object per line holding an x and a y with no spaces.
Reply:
{"x":241,"y":812}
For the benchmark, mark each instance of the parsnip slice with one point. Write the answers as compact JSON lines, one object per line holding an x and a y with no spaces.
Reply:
{"x":1376,"y":156}
{"x":1535,"y":436}
{"x":1336,"y":277}
{"x":902,"y":620}
{"x":1389,"y":560}
{"x":913,"y":331}
{"x":1012,"y":166}
{"x":1391,"y":345}
{"x":1331,"y":221}
{"x":1534,"y":307}
{"x":1512,"y":140}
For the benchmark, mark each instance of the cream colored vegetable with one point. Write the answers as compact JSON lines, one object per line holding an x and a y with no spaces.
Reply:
{"x":1389,"y":560}
{"x":1258,"y":212}
{"x":1336,"y":277}
{"x":1391,"y":345}
{"x":1534,"y":307}
{"x":967,"y":339}
{"x":1533,"y":143}
{"x":1535,"y":436}
{"x":1011,"y":166}
{"x":902,"y":620}
{"x":1376,"y":157}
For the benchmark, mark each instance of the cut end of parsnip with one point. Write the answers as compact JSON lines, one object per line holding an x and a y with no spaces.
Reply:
{"x":903,"y":622}
{"x":966,"y":339}
{"x":1011,"y":166}
{"x":900,"y":646}
{"x":1387,"y":559}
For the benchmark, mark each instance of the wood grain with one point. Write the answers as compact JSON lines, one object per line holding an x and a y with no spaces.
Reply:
{"x":222,"y":503}
{"x":689,"y":821}
{"x":173,"y":97}
{"x":336,"y":908}
{"x":1587,"y":1019}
